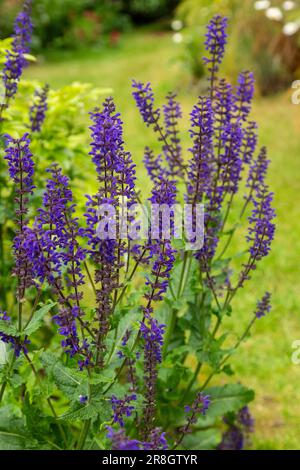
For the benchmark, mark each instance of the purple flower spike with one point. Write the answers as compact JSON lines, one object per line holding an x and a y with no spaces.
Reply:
{"x":263,"y":306}
{"x":257,"y":172}
{"x":215,"y":43}
{"x":168,"y":135}
{"x":153,"y":165}
{"x":144,"y":98}
{"x":116,"y":176}
{"x":202,"y":134}
{"x":21,"y":170}
{"x":249,"y":142}
{"x":173,"y":153}
{"x":15,"y":60}
{"x":120,"y":441}
{"x":152,"y":333}
{"x":157,"y":440}
{"x":262,"y":229}
{"x":199,"y":406}
{"x":122,"y":408}
{"x":244,"y":95}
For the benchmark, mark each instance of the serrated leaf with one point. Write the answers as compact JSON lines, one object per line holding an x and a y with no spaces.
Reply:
{"x":37,"y":318}
{"x":67,"y":380}
{"x":9,"y":329}
{"x":229,"y":397}
{"x":90,"y":411}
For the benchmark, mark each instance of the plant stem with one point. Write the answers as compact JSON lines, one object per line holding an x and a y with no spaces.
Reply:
{"x":83,"y":434}
{"x":193,"y":380}
{"x":169,"y":331}
{"x":185,"y":258}
{"x":90,"y":277}
{"x":225,"y":359}
{"x":62,"y":432}
{"x":4,"y":384}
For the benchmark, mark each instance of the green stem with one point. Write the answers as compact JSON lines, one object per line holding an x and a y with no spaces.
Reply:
{"x":193,"y":380}
{"x":90,"y":277}
{"x":185,"y":258}
{"x":61,"y":430}
{"x":130,"y":277}
{"x":4,"y":384}
{"x":37,"y":299}
{"x":83,"y":434}
{"x":20,"y":315}
{"x":225,"y":359}
{"x":170,"y":330}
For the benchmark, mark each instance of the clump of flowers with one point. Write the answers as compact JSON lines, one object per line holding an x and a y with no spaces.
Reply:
{"x":130,"y":311}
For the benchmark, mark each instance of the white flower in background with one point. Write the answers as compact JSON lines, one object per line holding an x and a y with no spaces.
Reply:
{"x":177,"y":38}
{"x":262,"y":5}
{"x":176,"y":25}
{"x":274,"y":13}
{"x":288,"y":5}
{"x":291,"y":28}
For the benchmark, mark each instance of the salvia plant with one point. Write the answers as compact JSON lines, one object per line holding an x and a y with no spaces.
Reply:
{"x":113,"y":342}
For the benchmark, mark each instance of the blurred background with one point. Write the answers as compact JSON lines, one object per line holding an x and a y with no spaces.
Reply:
{"x":107,"y":43}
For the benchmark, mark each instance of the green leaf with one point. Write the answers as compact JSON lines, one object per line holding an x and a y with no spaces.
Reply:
{"x":92,"y":410}
{"x":66,"y":379}
{"x":13,"y":432}
{"x":37,"y":318}
{"x":9,"y":329}
{"x":230,"y":397}
{"x":207,"y":439}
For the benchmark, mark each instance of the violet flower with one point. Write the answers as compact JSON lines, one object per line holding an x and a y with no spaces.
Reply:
{"x":245,"y":419}
{"x":201,"y":132}
{"x":263,"y":306}
{"x":244,"y":95}
{"x":199,"y":406}
{"x":231,"y":161}
{"x":261,"y":230}
{"x":215,"y":43}
{"x":222,"y":105}
{"x":122,"y":408}
{"x":249,"y":142}
{"x":162,"y":253}
{"x":152,"y":333}
{"x":153,"y":164}
{"x":237,"y":434}
{"x":18,"y":344}
{"x":21,"y":170}
{"x":232,"y":439}
{"x":257,"y":172}
{"x":144,"y":98}
{"x":15,"y":60}
{"x":53,"y":247}
{"x":173,"y":151}
{"x":167,"y":135}
{"x":116,"y":176}
{"x":157,"y":440}
{"x":119,"y":441}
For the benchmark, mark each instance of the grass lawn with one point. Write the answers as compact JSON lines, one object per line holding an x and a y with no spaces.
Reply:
{"x":264,"y":362}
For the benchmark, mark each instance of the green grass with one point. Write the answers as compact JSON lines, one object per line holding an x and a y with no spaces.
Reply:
{"x":264,"y":362}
